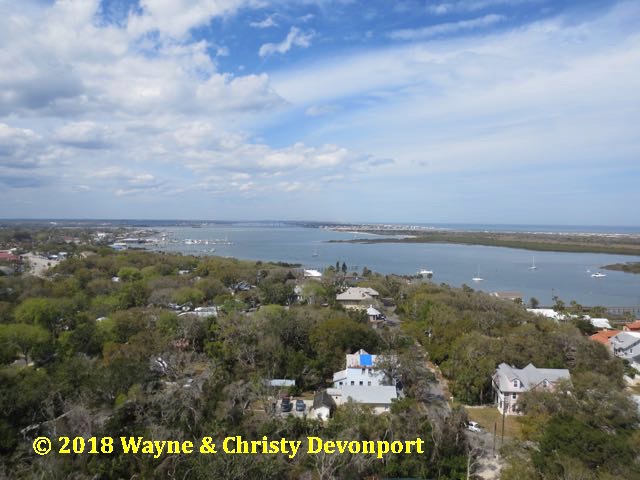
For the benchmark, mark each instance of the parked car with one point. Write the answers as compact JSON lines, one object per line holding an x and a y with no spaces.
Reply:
{"x":474,"y":427}
{"x":300,"y":406}
{"x":286,"y":405}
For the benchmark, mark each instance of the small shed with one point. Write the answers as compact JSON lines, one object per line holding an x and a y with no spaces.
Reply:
{"x":323,"y":405}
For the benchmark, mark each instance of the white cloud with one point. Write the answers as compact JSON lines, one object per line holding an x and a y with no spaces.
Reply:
{"x":226,"y":93}
{"x":302,"y":156}
{"x":266,"y":23}
{"x":291,"y":186}
{"x":18,"y":147}
{"x":295,"y":37}
{"x":162,"y":118}
{"x":319,"y":110}
{"x":555,"y":92}
{"x":446,"y":28}
{"x":84,"y":134}
{"x":175,"y":18}
{"x":465,"y":6}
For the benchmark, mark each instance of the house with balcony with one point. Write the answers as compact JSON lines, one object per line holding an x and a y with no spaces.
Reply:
{"x":509,"y":383}
{"x":362,"y":382}
{"x":626,"y":345}
{"x":360,"y":370}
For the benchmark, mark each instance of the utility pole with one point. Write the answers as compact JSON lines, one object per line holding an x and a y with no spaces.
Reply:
{"x":505,"y":405}
{"x":495,"y":428}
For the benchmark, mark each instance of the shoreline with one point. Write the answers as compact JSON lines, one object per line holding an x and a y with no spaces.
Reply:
{"x":617,"y":244}
{"x":628,"y":267}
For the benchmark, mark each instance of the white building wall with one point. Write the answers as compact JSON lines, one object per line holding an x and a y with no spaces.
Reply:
{"x":505,"y":399}
{"x":358,"y":377}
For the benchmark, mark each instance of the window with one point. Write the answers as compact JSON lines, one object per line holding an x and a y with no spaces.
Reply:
{"x":340,"y":383}
{"x":364,"y":370}
{"x":361,"y":383}
{"x":515,"y":383}
{"x":369,"y":383}
{"x":514,"y":395}
{"x":352,"y":382}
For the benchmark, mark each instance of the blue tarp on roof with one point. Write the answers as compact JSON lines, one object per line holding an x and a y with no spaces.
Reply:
{"x":365,"y":360}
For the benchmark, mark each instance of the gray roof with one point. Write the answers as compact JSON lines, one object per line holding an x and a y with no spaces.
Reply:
{"x":357,"y":293}
{"x":529,"y":377}
{"x":323,"y":399}
{"x":372,"y":395}
{"x":372,"y":311}
{"x":624,"y":340}
{"x":279,"y":382}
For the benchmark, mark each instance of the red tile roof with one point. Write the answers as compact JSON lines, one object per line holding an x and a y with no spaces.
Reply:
{"x":603,"y":336}
{"x":632,"y":327}
{"x":9,"y":256}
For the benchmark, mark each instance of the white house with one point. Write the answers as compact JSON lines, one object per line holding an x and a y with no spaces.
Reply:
{"x":513,"y":296}
{"x":378,"y":397}
{"x":360,"y":370}
{"x":375,"y":316}
{"x":599,"y":323}
{"x":626,"y":345}
{"x":548,"y":313}
{"x":510,"y":382}
{"x":312,"y":274}
{"x":357,"y":298}
{"x":361,"y":382}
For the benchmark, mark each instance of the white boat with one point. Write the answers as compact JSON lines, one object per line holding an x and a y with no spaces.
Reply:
{"x":477,"y":278}
{"x":598,"y":275}
{"x":533,"y":264}
{"x":222,"y":241}
{"x":425,"y":272}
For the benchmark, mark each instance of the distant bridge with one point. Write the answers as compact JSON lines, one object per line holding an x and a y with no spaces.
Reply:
{"x":635,"y":309}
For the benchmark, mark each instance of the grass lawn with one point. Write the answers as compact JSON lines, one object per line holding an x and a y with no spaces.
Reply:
{"x":488,"y":416}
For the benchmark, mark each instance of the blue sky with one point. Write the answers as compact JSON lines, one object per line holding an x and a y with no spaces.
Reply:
{"x":472,"y":111}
